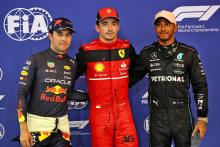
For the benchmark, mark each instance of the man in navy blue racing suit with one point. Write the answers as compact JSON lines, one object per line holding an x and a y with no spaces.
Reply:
{"x":46,"y":83}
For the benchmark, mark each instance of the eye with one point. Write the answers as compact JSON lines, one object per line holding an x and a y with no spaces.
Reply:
{"x":59,"y":34}
{"x":104,"y":24}
{"x":158,"y":25}
{"x":114,"y":23}
{"x":68,"y":35}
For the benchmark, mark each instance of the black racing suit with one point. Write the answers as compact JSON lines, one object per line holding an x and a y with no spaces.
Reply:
{"x":46,"y":83}
{"x":171,"y":69}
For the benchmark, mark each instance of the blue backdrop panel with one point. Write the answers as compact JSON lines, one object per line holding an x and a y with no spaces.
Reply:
{"x":23,"y":32}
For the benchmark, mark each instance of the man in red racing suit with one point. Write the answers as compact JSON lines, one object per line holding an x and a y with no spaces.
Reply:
{"x":106,"y":62}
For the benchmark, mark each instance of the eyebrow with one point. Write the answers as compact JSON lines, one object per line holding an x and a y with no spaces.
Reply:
{"x":105,"y":22}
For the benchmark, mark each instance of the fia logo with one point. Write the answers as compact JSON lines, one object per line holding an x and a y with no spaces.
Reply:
{"x":1,"y":73}
{"x":144,"y":98}
{"x":2,"y":131}
{"x":201,"y":12}
{"x":146,"y":124}
{"x":22,"y":24}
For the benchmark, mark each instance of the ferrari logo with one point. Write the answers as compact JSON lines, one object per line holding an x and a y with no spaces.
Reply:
{"x":121,"y":53}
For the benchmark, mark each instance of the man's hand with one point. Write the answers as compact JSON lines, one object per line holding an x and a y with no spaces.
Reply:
{"x":25,"y":136}
{"x":200,"y":128}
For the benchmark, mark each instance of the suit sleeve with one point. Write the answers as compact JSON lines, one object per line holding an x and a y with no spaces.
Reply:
{"x":26,"y":80}
{"x":139,"y":68}
{"x":199,"y":84}
{"x":81,"y":63}
{"x":78,"y":95}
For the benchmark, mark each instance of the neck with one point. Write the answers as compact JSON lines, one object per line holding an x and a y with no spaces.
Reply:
{"x":57,"y":51}
{"x":166,"y":43}
{"x":107,"y":41}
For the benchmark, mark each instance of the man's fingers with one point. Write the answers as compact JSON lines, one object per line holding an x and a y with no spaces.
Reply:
{"x":194,"y":132}
{"x":202,"y":133}
{"x":31,"y":141}
{"x":25,"y":144}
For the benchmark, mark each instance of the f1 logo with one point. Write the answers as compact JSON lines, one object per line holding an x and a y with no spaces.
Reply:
{"x":78,"y":124}
{"x":201,"y":12}
{"x":1,"y":97}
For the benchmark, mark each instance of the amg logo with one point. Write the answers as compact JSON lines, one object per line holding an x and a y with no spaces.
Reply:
{"x":167,"y":79}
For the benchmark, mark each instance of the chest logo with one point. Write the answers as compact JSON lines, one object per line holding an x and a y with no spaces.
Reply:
{"x":24,"y":73}
{"x":99,"y":67}
{"x":67,"y":67}
{"x":154,"y":55}
{"x":180,"y":56}
{"x":56,"y":89}
{"x":121,"y":53}
{"x":50,"y":64}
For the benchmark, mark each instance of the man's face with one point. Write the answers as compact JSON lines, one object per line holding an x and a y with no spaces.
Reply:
{"x":108,"y":29}
{"x":60,"y":40}
{"x":165,"y":30}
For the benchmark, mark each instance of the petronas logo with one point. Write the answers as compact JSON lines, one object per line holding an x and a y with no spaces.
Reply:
{"x":121,"y":53}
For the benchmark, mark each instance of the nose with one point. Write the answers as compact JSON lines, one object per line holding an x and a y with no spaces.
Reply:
{"x":64,"y":37}
{"x":110,"y":26}
{"x":162,"y":27}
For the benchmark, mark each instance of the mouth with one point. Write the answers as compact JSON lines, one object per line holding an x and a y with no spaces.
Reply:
{"x":109,"y":33}
{"x":63,"y":44}
{"x":163,"y":33}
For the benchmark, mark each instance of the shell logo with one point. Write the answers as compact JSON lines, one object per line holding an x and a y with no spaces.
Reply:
{"x":99,"y":67}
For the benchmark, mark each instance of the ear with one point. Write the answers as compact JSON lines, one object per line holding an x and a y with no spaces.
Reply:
{"x":49,"y":35}
{"x":118,"y":27}
{"x":97,"y":28}
{"x":154,"y":28}
{"x":175,"y":28}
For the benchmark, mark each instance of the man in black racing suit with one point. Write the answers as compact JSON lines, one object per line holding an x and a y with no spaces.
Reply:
{"x":46,"y":83}
{"x":171,"y":67}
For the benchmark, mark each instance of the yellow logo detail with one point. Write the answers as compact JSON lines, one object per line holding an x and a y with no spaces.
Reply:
{"x":99,"y":67}
{"x":108,"y":10}
{"x":21,"y":117}
{"x":67,"y":67}
{"x":24,"y":73}
{"x":121,"y":53}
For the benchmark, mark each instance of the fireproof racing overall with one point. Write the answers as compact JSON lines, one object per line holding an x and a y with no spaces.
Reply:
{"x":106,"y":67}
{"x":171,"y":69}
{"x":46,"y":83}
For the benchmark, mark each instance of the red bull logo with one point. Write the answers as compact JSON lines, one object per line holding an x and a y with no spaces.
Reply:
{"x":55,"y":98}
{"x":56,"y":89}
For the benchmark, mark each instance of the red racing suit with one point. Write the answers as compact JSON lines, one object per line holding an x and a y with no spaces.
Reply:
{"x":106,"y":67}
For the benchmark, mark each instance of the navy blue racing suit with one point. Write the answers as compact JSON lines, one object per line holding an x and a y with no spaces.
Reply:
{"x":46,"y":83}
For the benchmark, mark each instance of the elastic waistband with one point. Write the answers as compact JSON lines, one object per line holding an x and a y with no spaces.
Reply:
{"x":40,"y":124}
